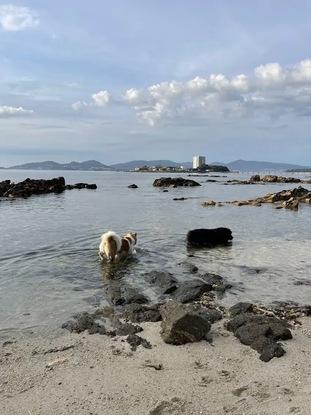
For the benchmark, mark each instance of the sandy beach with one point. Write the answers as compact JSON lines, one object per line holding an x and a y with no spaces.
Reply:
{"x":68,"y":373}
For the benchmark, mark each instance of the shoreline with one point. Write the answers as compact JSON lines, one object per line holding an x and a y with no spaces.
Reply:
{"x":67,"y":373}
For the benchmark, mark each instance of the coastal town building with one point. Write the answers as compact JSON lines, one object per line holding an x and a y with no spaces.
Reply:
{"x":198,"y":161}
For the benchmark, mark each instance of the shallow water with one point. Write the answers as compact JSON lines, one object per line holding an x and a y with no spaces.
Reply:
{"x":49,"y":266}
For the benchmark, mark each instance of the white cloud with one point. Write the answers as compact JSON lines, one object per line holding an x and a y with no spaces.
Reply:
{"x":272,"y":91}
{"x":79,"y":105}
{"x":16,"y":18}
{"x":101,"y":98}
{"x":7,"y":111}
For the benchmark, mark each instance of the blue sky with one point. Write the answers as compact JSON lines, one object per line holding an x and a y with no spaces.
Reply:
{"x":155,"y":79}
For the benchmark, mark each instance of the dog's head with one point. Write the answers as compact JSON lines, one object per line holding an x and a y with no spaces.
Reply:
{"x":133,"y":236}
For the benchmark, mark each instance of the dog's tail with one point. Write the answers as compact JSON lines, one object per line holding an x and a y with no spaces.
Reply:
{"x":110,"y":245}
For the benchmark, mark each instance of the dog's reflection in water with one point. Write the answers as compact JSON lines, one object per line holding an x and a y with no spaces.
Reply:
{"x":115,"y":284}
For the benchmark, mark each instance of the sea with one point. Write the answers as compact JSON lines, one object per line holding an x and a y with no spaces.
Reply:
{"x":49,"y":263}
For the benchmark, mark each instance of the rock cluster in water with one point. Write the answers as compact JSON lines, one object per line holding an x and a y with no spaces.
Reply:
{"x":174,"y":182}
{"x":257,"y":179}
{"x":288,"y":199}
{"x":30,"y":187}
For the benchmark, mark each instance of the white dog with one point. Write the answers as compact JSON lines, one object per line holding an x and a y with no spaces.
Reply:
{"x":115,"y":248}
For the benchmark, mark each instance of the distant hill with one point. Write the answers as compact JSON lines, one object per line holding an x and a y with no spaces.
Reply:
{"x":90,"y":165}
{"x":131,"y":165}
{"x":245,"y":165}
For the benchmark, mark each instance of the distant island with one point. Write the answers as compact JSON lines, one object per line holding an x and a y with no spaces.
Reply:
{"x":161,"y":165}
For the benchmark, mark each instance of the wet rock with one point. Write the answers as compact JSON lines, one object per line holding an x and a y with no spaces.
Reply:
{"x":122,"y":294}
{"x":260,"y":332}
{"x":136,"y":341}
{"x":133,"y":186}
{"x":85,"y":321}
{"x":255,"y":178}
{"x":191,"y":290}
{"x":164,"y":280}
{"x":183,"y":323}
{"x":81,"y":186}
{"x":180,"y":198}
{"x":216,"y":281}
{"x":209,"y":237}
{"x":139,"y":313}
{"x":241,"y":308}
{"x":174,"y":182}
{"x":31,"y":187}
{"x":209,"y":203}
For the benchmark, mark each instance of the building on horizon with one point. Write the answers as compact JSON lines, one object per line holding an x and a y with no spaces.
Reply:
{"x":198,"y":161}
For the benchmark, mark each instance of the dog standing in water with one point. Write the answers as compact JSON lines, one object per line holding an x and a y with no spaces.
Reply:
{"x":116,"y":248}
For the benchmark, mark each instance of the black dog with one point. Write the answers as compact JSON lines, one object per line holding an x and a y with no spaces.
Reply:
{"x":209,"y":237}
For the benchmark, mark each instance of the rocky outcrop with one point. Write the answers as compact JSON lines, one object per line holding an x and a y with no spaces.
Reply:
{"x":257,"y":179}
{"x":174,"y":182}
{"x":162,"y":280}
{"x":288,"y":199}
{"x":30,"y":187}
{"x":81,"y":186}
{"x":260,"y":332}
{"x":184,"y":323}
{"x":133,"y":186}
{"x":209,"y":203}
{"x":209,"y":237}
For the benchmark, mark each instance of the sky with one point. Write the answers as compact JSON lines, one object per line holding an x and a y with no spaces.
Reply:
{"x":157,"y":79}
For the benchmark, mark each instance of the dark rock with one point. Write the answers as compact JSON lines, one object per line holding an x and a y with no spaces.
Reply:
{"x":31,"y":187}
{"x":241,"y":308}
{"x":255,"y":178}
{"x":91,"y":186}
{"x":260,"y":332}
{"x":164,"y":280}
{"x":122,"y":294}
{"x":174,"y":182}
{"x":85,"y":321}
{"x":180,"y":198}
{"x":216,"y":281}
{"x":136,"y":341}
{"x":192,"y":290}
{"x":139,"y":313}
{"x":81,"y":186}
{"x":133,"y":186}
{"x":183,"y":323}
{"x":209,"y":237}
{"x":125,"y":329}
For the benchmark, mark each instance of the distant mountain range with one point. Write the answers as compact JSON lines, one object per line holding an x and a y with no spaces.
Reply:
{"x":93,"y":165}
{"x":90,"y":165}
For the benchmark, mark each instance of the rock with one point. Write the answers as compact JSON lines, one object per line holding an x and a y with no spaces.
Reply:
{"x":183,"y":323}
{"x":291,"y":203}
{"x":216,"y":282}
{"x":209,"y":237}
{"x":209,"y":203}
{"x":240,"y":308}
{"x":81,"y":186}
{"x":255,"y":178}
{"x":136,"y":341}
{"x":270,"y":179}
{"x":164,"y":280}
{"x":180,"y":198}
{"x":139,"y":313}
{"x":261,"y":332}
{"x":84,"y":321}
{"x":133,"y":186}
{"x":192,"y":290}
{"x":122,"y":294}
{"x":174,"y":182}
{"x":31,"y":187}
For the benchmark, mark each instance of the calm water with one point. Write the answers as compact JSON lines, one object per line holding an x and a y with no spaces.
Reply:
{"x":49,"y":265}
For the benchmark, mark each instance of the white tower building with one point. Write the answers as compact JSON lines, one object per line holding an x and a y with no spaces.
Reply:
{"x":198,"y":161}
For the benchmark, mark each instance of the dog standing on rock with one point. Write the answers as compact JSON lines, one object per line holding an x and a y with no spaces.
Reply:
{"x":115,"y":248}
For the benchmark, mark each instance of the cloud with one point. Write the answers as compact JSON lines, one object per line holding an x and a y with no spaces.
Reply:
{"x":6,"y":111}
{"x":271,"y":91}
{"x":16,"y":18}
{"x":101,"y":98}
{"x":79,"y":105}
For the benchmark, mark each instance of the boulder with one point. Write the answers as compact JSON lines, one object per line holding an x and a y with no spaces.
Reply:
{"x":174,"y":182}
{"x":31,"y":187}
{"x":133,"y":186}
{"x":209,"y":203}
{"x":139,"y":313}
{"x":255,"y":178}
{"x":183,"y":323}
{"x":191,"y":290}
{"x":260,"y":332}
{"x":209,"y":237}
{"x":163,"y":280}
